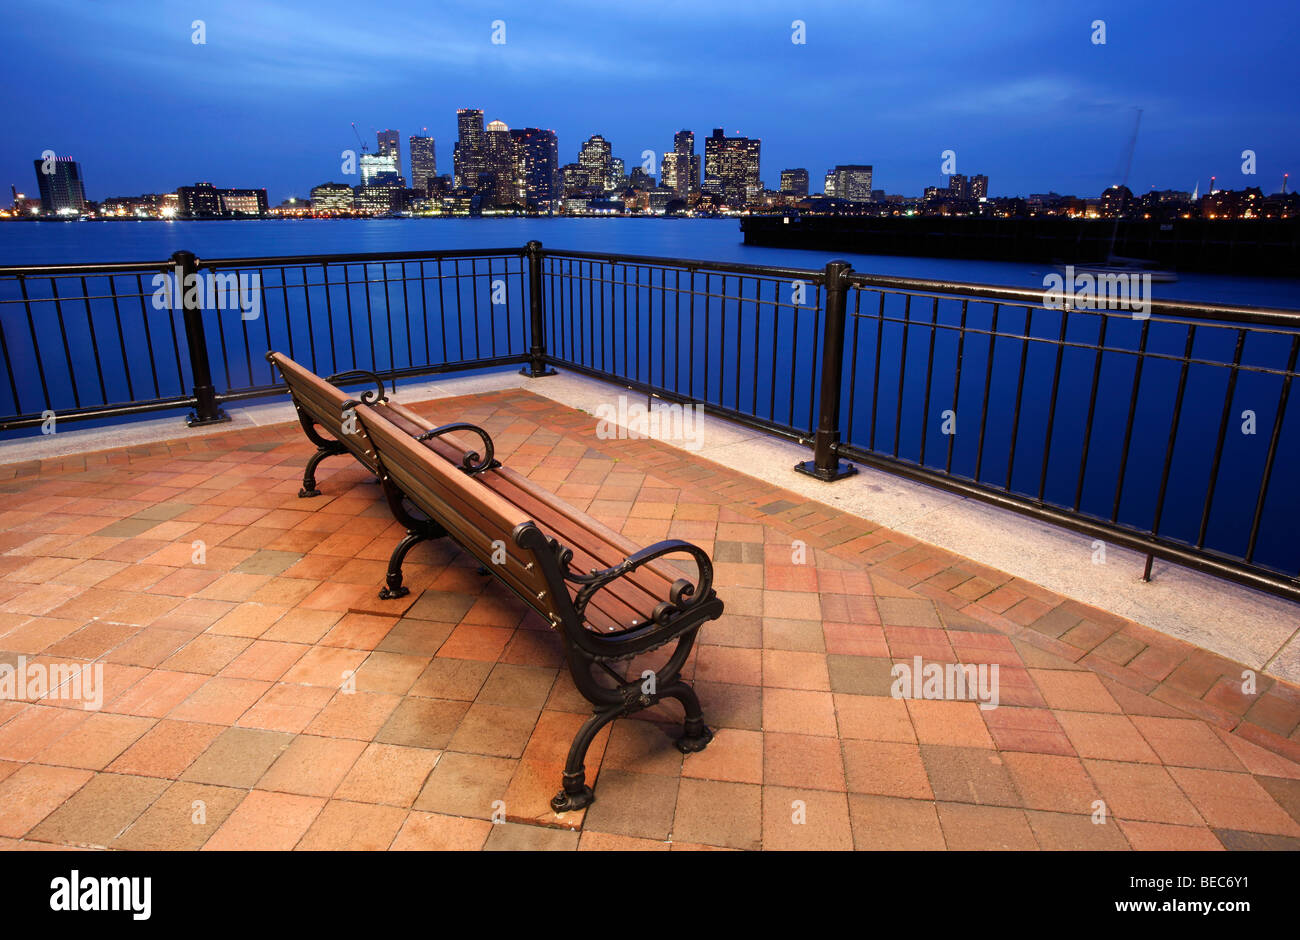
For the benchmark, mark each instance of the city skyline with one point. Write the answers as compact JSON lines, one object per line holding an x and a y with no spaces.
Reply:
{"x":893,"y":87}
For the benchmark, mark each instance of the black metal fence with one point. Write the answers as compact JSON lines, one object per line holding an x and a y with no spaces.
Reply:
{"x":1165,"y":429}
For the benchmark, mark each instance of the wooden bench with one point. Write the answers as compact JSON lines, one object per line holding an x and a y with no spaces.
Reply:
{"x":608,"y":599}
{"x":320,"y":406}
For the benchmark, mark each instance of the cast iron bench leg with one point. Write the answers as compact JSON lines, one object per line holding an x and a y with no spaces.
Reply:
{"x":309,"y":474}
{"x":575,"y":794}
{"x":696,"y":734}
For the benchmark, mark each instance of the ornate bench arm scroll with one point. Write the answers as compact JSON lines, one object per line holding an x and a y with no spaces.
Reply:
{"x":681,"y":596}
{"x":367,"y":397}
{"x":470,"y":461}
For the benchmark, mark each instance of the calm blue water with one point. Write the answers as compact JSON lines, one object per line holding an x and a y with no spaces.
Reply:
{"x":723,"y":341}
{"x":705,"y":239}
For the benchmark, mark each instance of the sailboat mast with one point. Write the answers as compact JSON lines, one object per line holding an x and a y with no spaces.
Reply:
{"x":1128,"y":166}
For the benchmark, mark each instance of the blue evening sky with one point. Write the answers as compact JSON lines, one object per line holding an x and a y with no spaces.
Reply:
{"x":1017,"y":89}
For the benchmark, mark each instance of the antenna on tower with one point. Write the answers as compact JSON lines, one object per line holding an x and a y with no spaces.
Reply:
{"x":1284,"y":178}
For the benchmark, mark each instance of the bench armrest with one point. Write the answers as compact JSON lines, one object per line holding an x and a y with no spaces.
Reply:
{"x":353,"y":375}
{"x":469,"y":461}
{"x":681,"y":596}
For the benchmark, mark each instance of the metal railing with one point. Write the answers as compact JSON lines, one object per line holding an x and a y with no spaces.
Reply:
{"x":1166,"y":432}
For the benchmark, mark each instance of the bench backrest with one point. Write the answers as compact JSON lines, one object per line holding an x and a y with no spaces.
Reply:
{"x":489,"y":527}
{"x":323,"y":404}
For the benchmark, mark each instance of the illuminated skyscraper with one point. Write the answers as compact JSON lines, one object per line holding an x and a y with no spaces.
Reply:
{"x":424,"y":162}
{"x":390,"y":145}
{"x":596,"y":163}
{"x":467,"y":157}
{"x":850,"y":182}
{"x":979,"y":187}
{"x":731,"y":167}
{"x":536,"y":172}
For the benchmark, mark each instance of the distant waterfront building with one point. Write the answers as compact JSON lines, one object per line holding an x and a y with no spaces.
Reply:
{"x":62,"y":189}
{"x":794,"y":183}
{"x":331,"y":197}
{"x":424,"y":162}
{"x":1115,"y":201}
{"x":595,"y":160}
{"x":203,"y":200}
{"x":731,"y":167}
{"x":377,"y":198}
{"x":979,"y":187}
{"x":959,"y":186}
{"x":850,"y":182}
{"x":617,"y":174}
{"x":535,"y":175}
{"x":467,"y":156}
{"x":147,"y":206}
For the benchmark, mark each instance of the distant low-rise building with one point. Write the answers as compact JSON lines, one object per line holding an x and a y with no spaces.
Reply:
{"x":794,"y":183}
{"x":332,"y":199}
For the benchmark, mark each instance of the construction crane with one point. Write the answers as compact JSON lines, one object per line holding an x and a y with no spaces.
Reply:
{"x":364,"y":148}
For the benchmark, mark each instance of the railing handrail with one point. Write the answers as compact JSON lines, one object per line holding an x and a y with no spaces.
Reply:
{"x":811,"y":275}
{"x":166,"y":264}
{"x":1024,"y":296}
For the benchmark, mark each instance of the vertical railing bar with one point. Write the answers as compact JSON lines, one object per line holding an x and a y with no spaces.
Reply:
{"x":988,"y":380}
{"x":1132,"y":413}
{"x":956,"y":385}
{"x":36,"y":346}
{"x":1173,"y":431}
{"x":94,"y":341}
{"x":1051,"y":408}
{"x":875,"y":375}
{"x":853,"y":360}
{"x":1223,"y":433}
{"x":63,"y":330}
{"x":1092,"y":410}
{"x":329,"y":317}
{"x":1283,"y":395}
{"x":1020,"y":390}
{"x":902,"y":370}
{"x":311,"y":329}
{"x":121,"y":340}
{"x":929,"y":377}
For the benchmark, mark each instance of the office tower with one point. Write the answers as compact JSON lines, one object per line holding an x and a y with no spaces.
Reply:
{"x":537,"y":156}
{"x":731,"y":167}
{"x":467,"y":156}
{"x":389,"y":144}
{"x":979,"y":187}
{"x":424,"y":163}
{"x":959,"y":186}
{"x":850,"y":182}
{"x":687,"y":165}
{"x":62,"y":188}
{"x":616,"y":174}
{"x":595,"y":160}
{"x":498,"y":171}
{"x":668,"y":172}
{"x":380,"y":168}
{"x":794,"y":183}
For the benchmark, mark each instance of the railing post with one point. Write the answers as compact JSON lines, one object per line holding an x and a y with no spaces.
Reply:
{"x":825,"y":464}
{"x":206,"y":410}
{"x":536,"y":367}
